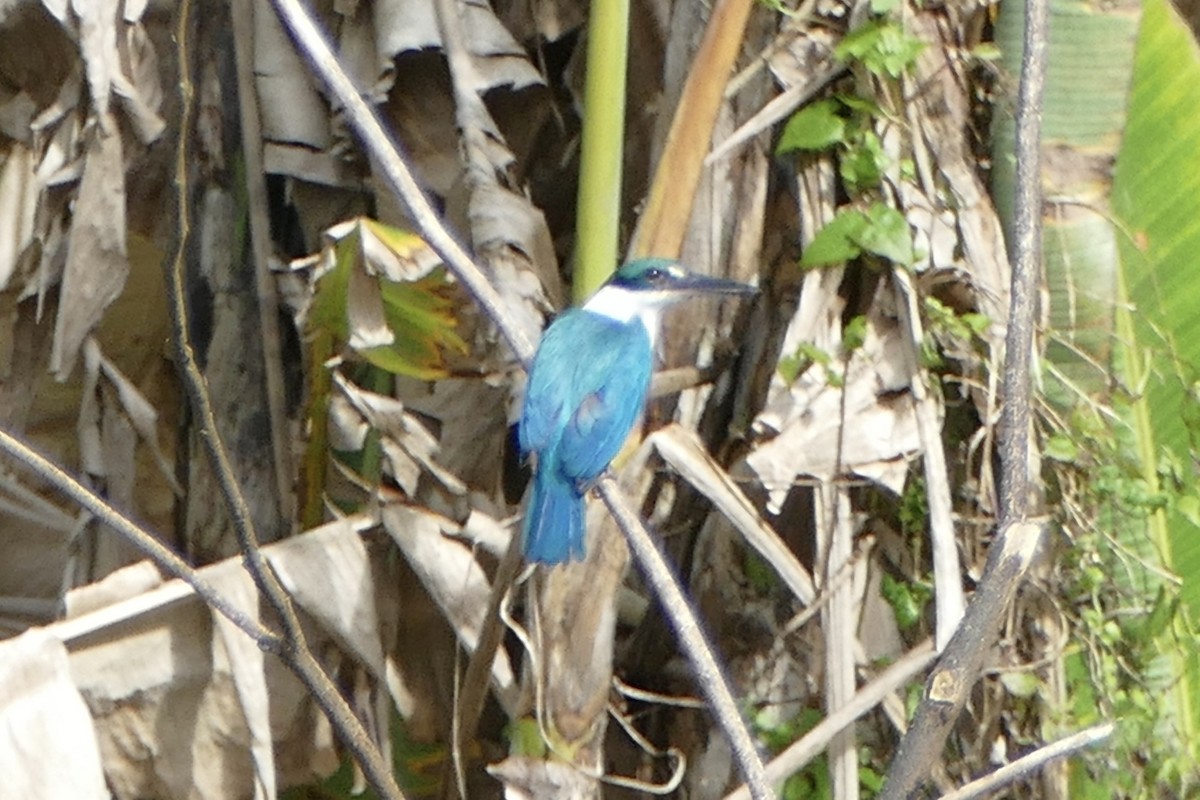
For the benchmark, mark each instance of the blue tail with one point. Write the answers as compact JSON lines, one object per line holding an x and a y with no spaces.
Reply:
{"x":554,"y":528}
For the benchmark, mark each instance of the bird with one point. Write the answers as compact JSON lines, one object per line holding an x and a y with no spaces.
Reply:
{"x":587,"y":388}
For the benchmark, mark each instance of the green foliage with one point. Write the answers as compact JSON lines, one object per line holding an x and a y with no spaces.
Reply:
{"x":854,"y":334}
{"x":815,"y":127}
{"x":1126,"y":616}
{"x":950,"y":333}
{"x":793,"y":366}
{"x":967,"y":327}
{"x":763,"y":579}
{"x":372,"y":274}
{"x":780,"y":7}
{"x":845,"y":124}
{"x":525,"y":738}
{"x":382,"y":306}
{"x":863,"y":166}
{"x":813,"y":780}
{"x":868,"y":779}
{"x":908,"y":600}
{"x":419,"y":768}
{"x":882,"y":46}
{"x":1021,"y":683}
{"x":1060,"y":447}
{"x":880,"y":230}
{"x":914,"y":510}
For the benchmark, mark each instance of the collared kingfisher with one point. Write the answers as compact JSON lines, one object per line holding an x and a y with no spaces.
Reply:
{"x":587,"y":388}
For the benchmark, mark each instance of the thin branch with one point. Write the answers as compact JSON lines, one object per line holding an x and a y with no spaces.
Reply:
{"x":840,"y":622}
{"x":294,"y":652}
{"x":386,"y":154}
{"x":194,"y":383}
{"x":1039,"y":758}
{"x":362,"y":118}
{"x":950,"y":683}
{"x":1018,"y":538}
{"x":139,"y":537}
{"x":801,"y":752}
{"x":1026,"y":256}
{"x":947,"y":568}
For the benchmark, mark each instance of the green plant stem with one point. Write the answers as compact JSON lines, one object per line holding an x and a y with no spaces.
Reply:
{"x":1157,"y":524}
{"x":599,"y":206}
{"x":379,"y":381}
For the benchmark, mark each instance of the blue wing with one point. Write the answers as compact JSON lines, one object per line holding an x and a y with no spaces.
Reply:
{"x":586,"y":389}
{"x":611,"y":385}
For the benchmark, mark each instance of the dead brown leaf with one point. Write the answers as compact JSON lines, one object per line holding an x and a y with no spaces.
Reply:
{"x":97,"y":261}
{"x":47,"y":742}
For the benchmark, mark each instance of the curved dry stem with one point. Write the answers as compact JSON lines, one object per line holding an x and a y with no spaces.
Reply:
{"x":1010,"y":773}
{"x":294,"y":650}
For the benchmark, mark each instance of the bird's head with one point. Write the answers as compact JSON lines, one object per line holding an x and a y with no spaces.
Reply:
{"x":641,"y":289}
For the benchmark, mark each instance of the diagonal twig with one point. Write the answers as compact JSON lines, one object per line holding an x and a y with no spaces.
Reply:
{"x":709,"y":677}
{"x":1009,"y":773}
{"x":808,"y":747}
{"x":150,"y":545}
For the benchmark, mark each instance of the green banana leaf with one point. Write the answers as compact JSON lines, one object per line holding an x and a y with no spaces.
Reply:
{"x":1119,"y":249}
{"x":1156,"y":196}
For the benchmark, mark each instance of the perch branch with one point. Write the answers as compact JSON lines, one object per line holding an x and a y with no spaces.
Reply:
{"x":395,"y":170}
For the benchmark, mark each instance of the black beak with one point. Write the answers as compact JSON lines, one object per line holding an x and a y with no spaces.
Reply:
{"x":702,"y":284}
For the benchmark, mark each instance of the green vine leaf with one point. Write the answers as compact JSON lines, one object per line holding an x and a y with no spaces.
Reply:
{"x":880,"y":230}
{"x":814,"y":127}
{"x":837,"y":241}
{"x":887,"y":234}
{"x":882,"y":46}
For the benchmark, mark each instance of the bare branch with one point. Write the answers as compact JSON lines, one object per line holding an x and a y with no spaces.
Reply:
{"x":949,"y":685}
{"x":709,"y":677}
{"x":799,"y":753}
{"x":294,"y":652}
{"x":1025,"y":252}
{"x":362,"y":118}
{"x":139,"y":537}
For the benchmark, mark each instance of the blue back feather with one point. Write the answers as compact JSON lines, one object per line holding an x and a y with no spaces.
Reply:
{"x":586,"y":389}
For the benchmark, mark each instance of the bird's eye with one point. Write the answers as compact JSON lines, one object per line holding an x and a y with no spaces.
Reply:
{"x":654,"y":274}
